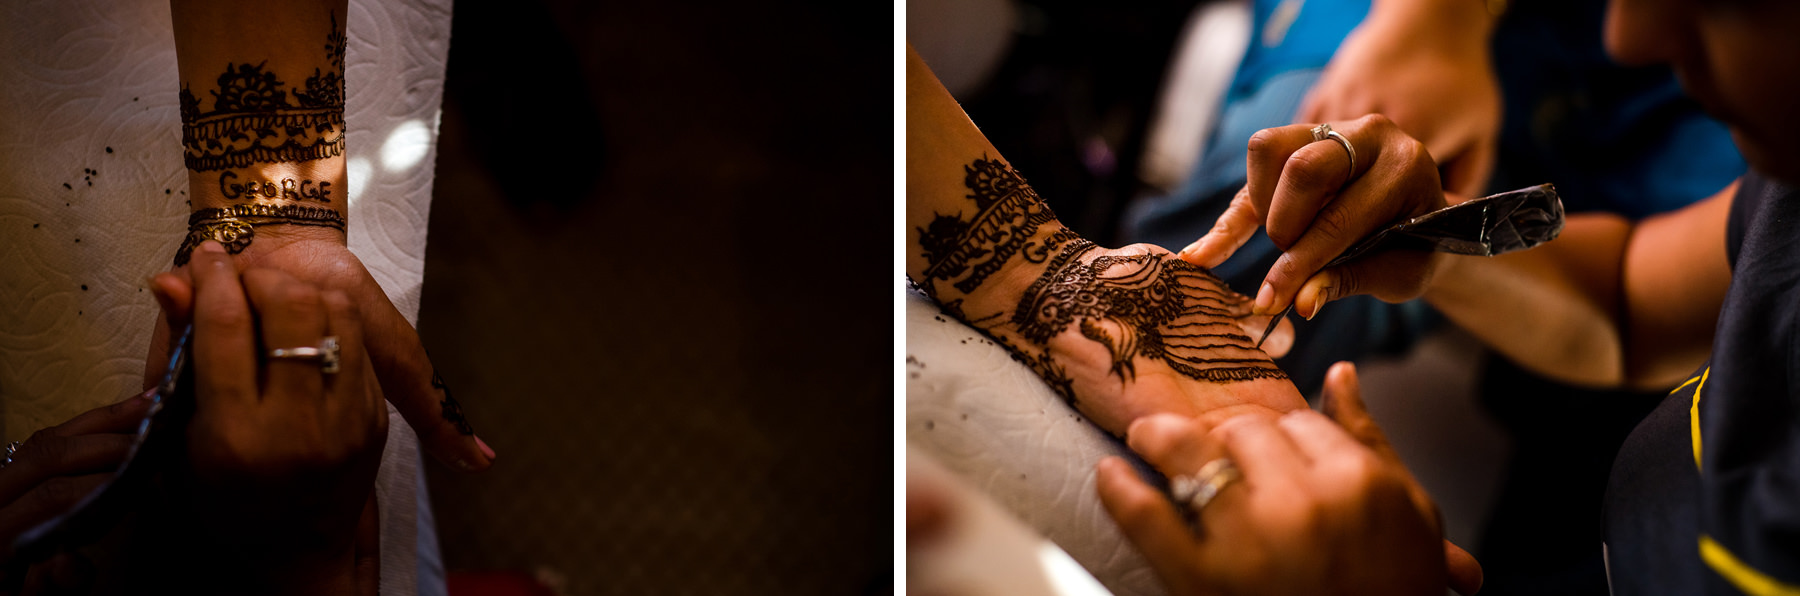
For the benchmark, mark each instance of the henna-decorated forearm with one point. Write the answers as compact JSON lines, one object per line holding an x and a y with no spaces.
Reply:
{"x":267,"y":130}
{"x":1140,"y":307}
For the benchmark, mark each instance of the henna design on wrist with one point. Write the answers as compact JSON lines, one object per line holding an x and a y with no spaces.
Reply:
{"x":1008,"y":214}
{"x":235,"y":226}
{"x":288,"y":189}
{"x":252,"y":120}
{"x":451,"y":410}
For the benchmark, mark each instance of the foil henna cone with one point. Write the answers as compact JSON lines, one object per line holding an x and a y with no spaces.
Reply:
{"x":1488,"y":226}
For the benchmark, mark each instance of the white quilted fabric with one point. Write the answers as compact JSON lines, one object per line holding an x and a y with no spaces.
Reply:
{"x":81,"y":76}
{"x":993,"y":422}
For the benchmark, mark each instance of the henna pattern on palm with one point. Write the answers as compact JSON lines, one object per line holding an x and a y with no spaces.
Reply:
{"x":253,"y":121}
{"x":1148,"y":306}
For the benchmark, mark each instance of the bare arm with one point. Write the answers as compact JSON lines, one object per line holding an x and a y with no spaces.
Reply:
{"x":1608,"y":303}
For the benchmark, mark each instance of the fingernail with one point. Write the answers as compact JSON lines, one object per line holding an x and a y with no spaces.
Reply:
{"x":1265,"y":299}
{"x":1317,"y":304}
{"x":212,"y":246}
{"x":1192,"y":247}
{"x":485,"y":449}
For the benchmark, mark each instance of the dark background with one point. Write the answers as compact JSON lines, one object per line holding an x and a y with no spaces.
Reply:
{"x":660,"y":281}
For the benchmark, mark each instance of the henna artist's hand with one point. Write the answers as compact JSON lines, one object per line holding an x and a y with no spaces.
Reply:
{"x":281,"y":457}
{"x":1315,"y":208}
{"x":1321,"y":508}
{"x":1430,"y":71}
{"x":50,"y":473}
{"x":409,"y":381}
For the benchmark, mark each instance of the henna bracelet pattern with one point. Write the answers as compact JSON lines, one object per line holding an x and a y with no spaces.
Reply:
{"x":235,"y":226}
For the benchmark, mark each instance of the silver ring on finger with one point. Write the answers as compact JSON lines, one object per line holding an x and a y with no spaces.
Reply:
{"x":11,"y":449}
{"x":325,"y":354}
{"x":1200,"y":489}
{"x":1323,"y":131}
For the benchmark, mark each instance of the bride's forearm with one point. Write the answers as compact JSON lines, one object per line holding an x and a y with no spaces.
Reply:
{"x":1118,"y":332}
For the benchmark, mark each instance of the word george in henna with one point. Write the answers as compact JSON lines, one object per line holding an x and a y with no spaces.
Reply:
{"x":253,"y":121}
{"x":451,"y":410}
{"x":1146,"y":305}
{"x":1008,"y":213}
{"x":288,"y":188}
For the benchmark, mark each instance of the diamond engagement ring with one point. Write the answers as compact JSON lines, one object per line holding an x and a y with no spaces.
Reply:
{"x":1198,"y":490}
{"x":1324,"y":131}
{"x":326,"y":354}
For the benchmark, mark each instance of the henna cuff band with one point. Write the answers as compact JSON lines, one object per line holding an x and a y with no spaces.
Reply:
{"x":235,"y":226}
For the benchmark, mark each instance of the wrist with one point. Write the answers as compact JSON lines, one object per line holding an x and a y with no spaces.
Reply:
{"x":266,"y":205}
{"x":1002,"y":289}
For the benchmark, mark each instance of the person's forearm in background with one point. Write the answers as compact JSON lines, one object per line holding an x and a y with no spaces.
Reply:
{"x":262,"y":119}
{"x":1609,"y":303}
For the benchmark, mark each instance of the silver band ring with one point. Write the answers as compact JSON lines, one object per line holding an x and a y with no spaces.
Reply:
{"x":1200,"y":489}
{"x":11,"y":448}
{"x":1323,"y":131}
{"x":326,"y":354}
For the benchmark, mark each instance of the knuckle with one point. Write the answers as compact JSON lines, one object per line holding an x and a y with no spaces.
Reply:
{"x":1346,"y":281}
{"x":1306,"y":171}
{"x":1377,"y":121}
{"x":226,"y":315}
{"x":1334,"y":223}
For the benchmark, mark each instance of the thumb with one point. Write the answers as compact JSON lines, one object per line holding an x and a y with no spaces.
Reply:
{"x":1343,"y":402}
{"x":1467,"y":173}
{"x":174,"y":292}
{"x":1235,"y":226}
{"x":410,"y":382}
{"x":1465,"y":572}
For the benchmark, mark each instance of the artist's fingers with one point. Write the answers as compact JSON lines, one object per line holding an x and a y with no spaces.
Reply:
{"x":1465,"y":572}
{"x":1391,"y":275}
{"x":1468,"y":173}
{"x":1150,"y":521}
{"x":49,"y":499}
{"x":174,"y":293}
{"x":45,"y":456}
{"x":1395,"y":177}
{"x":1267,"y":156}
{"x":1235,"y":227}
{"x":413,"y":385}
{"x":120,"y":417}
{"x":292,"y":316}
{"x":224,"y":336}
{"x":1280,"y":340}
{"x":1313,"y":177}
{"x":1174,"y":444}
